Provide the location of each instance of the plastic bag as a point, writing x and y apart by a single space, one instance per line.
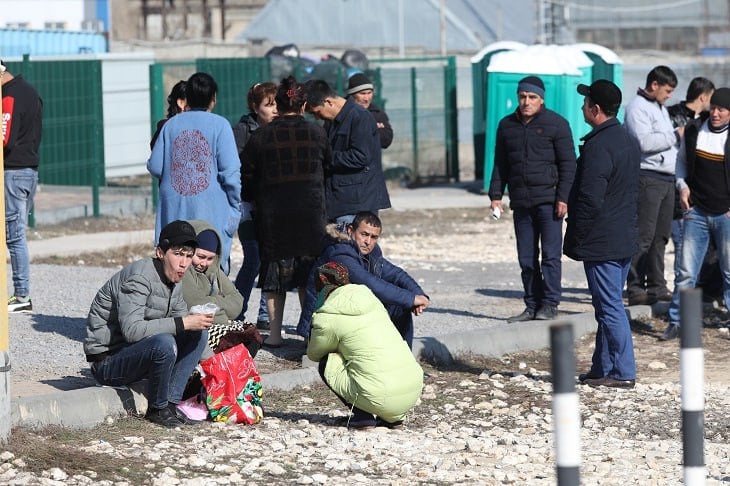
207 308
232 387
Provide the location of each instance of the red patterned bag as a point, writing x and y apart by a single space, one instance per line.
232 387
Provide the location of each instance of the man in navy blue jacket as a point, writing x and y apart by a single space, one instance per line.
603 229
354 182
360 253
535 157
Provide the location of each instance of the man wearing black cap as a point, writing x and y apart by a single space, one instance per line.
603 229
703 179
21 133
535 157
361 89
138 326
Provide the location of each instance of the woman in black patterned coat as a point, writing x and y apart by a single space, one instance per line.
283 176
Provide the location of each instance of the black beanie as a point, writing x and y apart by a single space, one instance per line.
208 240
721 98
532 84
358 82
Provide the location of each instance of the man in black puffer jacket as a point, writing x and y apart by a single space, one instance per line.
535 157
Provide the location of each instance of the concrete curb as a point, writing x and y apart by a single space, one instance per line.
87 407
76 244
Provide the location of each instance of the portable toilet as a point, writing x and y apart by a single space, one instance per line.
561 68
479 63
606 63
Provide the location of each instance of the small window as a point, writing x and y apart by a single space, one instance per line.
54 25
18 25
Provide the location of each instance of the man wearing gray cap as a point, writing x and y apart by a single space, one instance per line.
535 157
603 229
703 179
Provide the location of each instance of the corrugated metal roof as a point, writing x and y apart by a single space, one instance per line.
470 24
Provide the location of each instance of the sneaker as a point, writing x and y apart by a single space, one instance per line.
263 325
547 313
662 296
164 417
20 304
527 315
398 424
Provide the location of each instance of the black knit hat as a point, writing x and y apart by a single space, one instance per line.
358 82
532 84
721 98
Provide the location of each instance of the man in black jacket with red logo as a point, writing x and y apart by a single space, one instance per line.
22 112
534 155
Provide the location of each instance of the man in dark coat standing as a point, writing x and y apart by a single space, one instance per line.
361 89
354 181
535 157
603 229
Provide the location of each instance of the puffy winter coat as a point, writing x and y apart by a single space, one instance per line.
369 364
536 160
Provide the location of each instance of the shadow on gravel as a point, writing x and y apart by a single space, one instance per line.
71 327
457 312
71 382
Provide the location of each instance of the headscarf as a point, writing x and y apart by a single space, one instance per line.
330 276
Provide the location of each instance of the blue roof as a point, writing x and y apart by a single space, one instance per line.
470 25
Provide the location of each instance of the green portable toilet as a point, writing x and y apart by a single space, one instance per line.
479 63
606 63
561 69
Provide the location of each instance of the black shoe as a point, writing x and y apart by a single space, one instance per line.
263 325
527 315
361 420
609 382
547 313
587 376
643 298
398 424
164 417
184 419
671 332
662 296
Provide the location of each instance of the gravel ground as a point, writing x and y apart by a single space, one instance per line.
479 422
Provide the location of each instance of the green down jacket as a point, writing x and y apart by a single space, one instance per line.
369 364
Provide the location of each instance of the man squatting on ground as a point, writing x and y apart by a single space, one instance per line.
603 230
138 326
535 157
703 178
360 254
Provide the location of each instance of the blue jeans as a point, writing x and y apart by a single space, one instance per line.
614 352
167 361
538 229
247 276
698 228
20 186
403 321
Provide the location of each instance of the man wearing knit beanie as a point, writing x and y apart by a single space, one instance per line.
703 179
534 156
362 90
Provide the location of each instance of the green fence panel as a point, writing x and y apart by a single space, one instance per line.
72 147
234 77
421 95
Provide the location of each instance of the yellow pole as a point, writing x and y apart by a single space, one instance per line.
4 328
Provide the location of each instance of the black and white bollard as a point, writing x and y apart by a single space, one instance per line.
692 381
566 413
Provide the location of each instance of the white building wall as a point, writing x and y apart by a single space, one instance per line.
34 14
